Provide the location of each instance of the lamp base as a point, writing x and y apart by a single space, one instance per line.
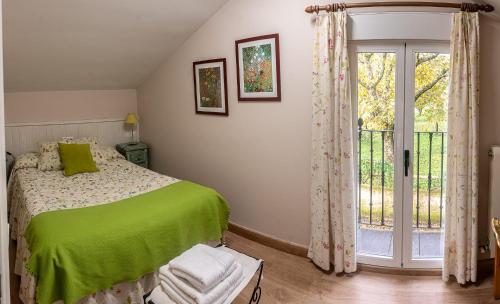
133 141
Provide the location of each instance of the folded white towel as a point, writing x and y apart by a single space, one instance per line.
158 296
181 291
202 266
172 294
186 288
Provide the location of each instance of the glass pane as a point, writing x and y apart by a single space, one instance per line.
429 163
376 102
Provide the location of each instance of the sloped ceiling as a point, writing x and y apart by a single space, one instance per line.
93 44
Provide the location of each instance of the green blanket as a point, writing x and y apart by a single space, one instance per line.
77 252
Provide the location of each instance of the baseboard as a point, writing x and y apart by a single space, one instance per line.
484 266
269 241
484 269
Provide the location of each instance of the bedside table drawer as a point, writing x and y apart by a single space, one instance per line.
143 164
138 156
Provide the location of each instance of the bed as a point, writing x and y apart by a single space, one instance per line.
33 193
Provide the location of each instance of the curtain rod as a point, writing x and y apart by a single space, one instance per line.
468 7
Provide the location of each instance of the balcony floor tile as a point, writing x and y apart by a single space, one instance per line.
380 242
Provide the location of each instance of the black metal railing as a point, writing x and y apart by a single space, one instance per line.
376 178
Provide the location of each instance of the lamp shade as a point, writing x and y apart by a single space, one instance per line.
131 119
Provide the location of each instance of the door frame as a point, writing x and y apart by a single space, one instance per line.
403 140
409 112
384 46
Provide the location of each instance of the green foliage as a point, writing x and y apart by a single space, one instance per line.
431 91
376 110
389 213
375 171
377 90
421 181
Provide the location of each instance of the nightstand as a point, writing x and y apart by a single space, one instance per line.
136 153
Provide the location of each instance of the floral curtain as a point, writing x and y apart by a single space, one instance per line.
333 209
460 255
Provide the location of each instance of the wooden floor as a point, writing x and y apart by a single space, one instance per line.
291 279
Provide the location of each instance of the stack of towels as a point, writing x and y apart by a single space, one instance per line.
201 275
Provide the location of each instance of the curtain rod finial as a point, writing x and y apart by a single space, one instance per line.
476 7
312 9
488 8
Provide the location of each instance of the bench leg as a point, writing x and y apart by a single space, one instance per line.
257 291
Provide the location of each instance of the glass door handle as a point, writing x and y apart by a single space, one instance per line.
407 161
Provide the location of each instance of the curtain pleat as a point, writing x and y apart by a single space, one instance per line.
333 210
460 255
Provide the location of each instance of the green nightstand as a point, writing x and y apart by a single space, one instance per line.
135 152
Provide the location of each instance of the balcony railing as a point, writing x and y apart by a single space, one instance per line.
376 178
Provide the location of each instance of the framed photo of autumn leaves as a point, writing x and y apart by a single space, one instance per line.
210 89
258 75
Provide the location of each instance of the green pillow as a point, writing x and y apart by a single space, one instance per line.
76 158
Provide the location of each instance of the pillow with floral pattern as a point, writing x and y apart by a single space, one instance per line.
92 140
26 160
49 155
103 154
49 152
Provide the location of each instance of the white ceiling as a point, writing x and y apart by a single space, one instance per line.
93 44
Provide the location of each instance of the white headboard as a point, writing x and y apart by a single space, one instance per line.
24 137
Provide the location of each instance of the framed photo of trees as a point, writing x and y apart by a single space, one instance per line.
210 87
258 68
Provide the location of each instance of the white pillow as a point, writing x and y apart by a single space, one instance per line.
26 160
49 156
92 140
103 154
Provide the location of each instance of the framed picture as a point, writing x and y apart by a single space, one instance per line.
258 67
210 87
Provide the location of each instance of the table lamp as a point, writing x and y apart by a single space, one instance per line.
131 119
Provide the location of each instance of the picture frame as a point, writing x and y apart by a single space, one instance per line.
210 87
258 68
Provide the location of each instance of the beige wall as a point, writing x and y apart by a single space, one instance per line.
489 113
54 106
258 157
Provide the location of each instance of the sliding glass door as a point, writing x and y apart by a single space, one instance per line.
400 97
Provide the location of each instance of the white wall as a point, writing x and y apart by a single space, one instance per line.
57 106
258 157
489 113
